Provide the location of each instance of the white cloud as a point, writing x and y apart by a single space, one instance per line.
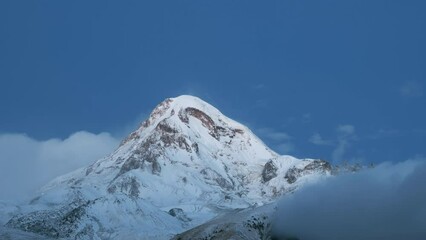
317 139
386 202
411 89
26 164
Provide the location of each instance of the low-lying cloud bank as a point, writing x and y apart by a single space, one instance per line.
387 202
26 164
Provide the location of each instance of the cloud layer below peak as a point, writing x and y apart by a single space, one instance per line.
26 164
386 202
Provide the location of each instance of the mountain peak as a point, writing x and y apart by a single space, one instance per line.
184 102
179 113
189 101
187 125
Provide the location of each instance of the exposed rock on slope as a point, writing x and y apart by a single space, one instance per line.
247 224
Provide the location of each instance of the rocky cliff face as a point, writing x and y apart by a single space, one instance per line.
184 165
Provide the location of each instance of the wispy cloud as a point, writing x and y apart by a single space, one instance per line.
384 133
306 118
385 202
122 132
258 86
346 130
26 164
411 89
260 103
387 133
345 134
285 148
273 134
339 151
281 141
317 139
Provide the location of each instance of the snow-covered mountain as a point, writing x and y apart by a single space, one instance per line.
185 165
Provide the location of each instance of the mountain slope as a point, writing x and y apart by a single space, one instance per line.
186 164
250 224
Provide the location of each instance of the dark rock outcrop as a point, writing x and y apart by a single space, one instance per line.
217 179
59 223
269 171
179 214
315 166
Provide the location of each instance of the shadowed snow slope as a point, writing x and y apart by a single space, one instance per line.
184 165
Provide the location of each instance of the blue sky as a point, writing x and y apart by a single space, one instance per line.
338 80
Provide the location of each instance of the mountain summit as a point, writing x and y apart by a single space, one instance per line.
186 164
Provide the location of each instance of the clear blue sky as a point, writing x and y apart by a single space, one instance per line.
328 79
